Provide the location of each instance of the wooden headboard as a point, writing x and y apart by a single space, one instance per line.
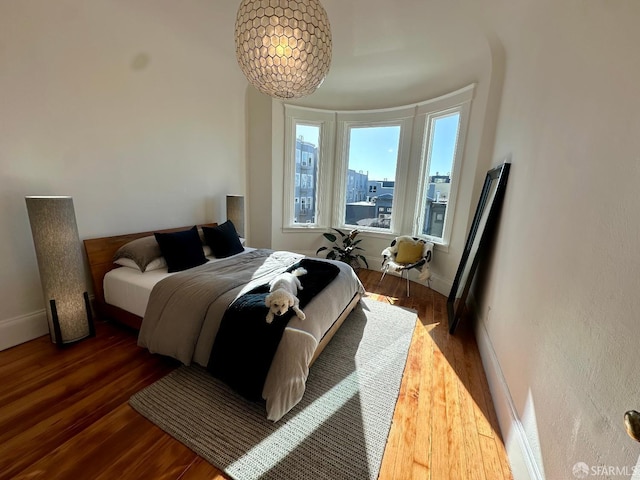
100 253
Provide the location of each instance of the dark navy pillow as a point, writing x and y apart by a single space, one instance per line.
223 239
181 250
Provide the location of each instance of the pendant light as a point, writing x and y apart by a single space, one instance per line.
283 46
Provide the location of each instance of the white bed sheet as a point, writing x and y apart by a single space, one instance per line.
129 288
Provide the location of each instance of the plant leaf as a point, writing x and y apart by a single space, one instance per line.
341 233
364 260
321 249
331 255
330 236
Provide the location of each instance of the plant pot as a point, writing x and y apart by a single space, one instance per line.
355 264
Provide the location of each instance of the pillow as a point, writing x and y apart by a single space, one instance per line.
181 250
409 252
154 264
142 251
223 239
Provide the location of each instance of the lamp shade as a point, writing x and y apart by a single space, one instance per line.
283 46
60 262
235 212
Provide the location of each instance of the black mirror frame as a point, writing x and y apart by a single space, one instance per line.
498 174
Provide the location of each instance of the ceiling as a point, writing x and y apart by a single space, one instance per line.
383 48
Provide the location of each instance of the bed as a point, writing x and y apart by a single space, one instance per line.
123 294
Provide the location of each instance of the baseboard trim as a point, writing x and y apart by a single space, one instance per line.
438 283
521 457
17 330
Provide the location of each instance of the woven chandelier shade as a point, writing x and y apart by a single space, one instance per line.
283 46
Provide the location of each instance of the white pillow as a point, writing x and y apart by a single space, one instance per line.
156 263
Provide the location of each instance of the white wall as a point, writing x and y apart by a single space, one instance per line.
559 305
136 109
259 173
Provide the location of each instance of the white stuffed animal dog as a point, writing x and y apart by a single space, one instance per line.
283 291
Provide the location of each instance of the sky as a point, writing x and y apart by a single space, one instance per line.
375 149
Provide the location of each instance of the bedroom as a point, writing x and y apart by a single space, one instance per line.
152 125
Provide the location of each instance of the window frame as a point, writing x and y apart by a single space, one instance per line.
402 117
426 113
324 165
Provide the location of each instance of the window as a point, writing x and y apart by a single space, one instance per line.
389 171
307 144
438 157
372 153
308 135
442 125
308 154
374 149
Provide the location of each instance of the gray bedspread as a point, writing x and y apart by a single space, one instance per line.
185 310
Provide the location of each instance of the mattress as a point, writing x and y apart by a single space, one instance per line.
129 288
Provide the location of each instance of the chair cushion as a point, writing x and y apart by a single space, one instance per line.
409 252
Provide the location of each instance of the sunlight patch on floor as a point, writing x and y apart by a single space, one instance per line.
287 438
382 298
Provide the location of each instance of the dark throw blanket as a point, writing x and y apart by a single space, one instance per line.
245 344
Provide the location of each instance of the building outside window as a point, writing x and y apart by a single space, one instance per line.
307 139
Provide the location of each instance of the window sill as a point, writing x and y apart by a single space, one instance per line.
303 229
388 236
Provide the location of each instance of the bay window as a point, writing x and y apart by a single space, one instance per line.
392 171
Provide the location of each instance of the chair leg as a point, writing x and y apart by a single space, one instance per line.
407 270
384 272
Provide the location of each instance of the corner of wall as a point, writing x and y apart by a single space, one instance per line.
259 169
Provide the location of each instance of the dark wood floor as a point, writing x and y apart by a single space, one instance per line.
64 413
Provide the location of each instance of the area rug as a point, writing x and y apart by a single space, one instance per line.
339 429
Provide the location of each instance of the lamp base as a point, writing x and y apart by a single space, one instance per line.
57 332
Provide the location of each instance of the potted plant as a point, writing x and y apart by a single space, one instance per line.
345 250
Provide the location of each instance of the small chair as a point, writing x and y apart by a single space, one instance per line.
406 253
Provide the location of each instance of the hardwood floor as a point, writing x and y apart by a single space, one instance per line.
64 413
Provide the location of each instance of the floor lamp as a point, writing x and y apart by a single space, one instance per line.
235 212
60 262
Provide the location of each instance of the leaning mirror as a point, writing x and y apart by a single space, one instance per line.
477 241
